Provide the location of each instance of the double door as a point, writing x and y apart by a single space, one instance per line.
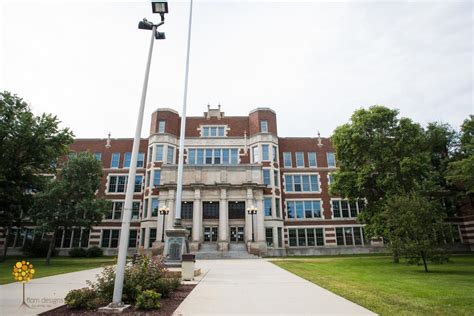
210 234
236 234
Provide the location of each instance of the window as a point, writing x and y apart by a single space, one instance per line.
114 163
132 238
159 153
98 156
191 157
187 210
213 131
141 160
287 160
210 156
156 177
306 237
145 208
210 210
266 177
142 237
312 160
110 238
154 207
277 208
300 159
301 183
346 209
161 126
116 211
126 160
234 156
236 210
330 178
269 236
152 237
265 152
304 209
69 238
274 154
331 159
138 184
255 154
349 236
170 157
135 210
264 126
275 177
150 154
267 205
148 176
118 184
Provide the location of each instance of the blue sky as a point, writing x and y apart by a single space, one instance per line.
313 62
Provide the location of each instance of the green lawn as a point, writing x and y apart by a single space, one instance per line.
393 289
58 265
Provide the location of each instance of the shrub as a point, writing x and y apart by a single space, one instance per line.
175 283
145 274
148 299
83 298
77 252
94 252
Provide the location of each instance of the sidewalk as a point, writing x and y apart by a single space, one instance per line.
256 287
42 294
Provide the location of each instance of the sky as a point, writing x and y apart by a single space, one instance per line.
313 62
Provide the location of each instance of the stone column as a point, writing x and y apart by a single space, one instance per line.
170 204
223 244
248 217
197 221
260 219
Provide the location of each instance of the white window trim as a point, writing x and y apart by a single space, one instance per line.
306 236
201 130
321 203
291 160
341 217
327 159
352 226
296 159
315 159
301 174
122 174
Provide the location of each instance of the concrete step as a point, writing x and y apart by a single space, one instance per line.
225 255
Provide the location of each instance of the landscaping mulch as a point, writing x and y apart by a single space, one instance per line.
168 306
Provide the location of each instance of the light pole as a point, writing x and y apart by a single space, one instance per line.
161 8
252 210
164 210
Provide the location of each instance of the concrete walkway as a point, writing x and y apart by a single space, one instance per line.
42 294
256 287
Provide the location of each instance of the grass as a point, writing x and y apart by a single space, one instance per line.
393 289
58 265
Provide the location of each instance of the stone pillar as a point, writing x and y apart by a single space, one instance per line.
197 221
170 203
248 217
223 243
260 219
147 238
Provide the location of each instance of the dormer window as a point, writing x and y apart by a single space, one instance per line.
213 131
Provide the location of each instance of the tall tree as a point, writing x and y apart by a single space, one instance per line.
416 226
29 145
70 200
461 171
379 155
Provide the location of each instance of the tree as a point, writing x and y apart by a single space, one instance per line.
461 172
416 226
70 200
379 155
29 145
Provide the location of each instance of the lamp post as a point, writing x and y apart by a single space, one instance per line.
164 210
252 210
160 8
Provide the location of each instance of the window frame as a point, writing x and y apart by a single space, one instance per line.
287 155
301 177
310 159
161 126
292 205
263 126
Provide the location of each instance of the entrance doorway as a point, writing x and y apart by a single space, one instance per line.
236 234
210 234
